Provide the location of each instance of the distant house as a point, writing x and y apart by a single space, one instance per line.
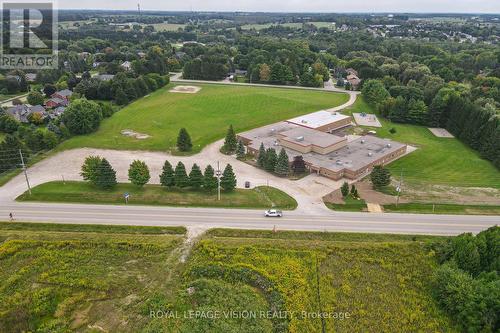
127 65
30 77
84 55
62 94
141 54
22 112
55 102
104 77
57 112
96 64
353 80
180 54
352 71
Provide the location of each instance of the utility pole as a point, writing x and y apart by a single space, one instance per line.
218 173
24 170
399 187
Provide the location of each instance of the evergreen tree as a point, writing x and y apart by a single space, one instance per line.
138 173
120 97
184 140
167 175
261 159
209 180
106 175
344 189
230 143
271 160
240 151
180 176
90 168
282 167
354 192
228 179
380 176
195 177
298 165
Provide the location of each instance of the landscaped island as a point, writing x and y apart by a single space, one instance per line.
82 192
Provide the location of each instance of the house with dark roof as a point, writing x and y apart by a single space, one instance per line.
62 94
22 112
56 101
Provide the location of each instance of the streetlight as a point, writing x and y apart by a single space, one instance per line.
218 174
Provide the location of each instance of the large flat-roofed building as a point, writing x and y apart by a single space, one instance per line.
305 140
324 121
325 154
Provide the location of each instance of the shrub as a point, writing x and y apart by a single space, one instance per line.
138 173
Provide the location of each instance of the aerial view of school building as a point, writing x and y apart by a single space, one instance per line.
324 153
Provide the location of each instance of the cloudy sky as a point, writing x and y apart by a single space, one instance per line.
420 6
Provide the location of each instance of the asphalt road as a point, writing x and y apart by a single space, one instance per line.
246 219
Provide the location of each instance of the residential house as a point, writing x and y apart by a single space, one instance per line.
354 81
126 65
62 94
30 77
104 77
55 102
22 112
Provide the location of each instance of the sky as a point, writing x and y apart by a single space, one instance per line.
333 6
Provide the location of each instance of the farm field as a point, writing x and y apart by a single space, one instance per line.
440 161
206 115
82 192
67 277
366 283
167 26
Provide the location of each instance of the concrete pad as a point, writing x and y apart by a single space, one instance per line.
185 89
441 133
367 120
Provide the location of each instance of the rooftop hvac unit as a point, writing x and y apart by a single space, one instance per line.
300 138
276 143
370 153
388 145
303 121
339 162
362 140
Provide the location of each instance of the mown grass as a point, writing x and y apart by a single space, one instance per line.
442 161
429 208
206 115
82 192
350 205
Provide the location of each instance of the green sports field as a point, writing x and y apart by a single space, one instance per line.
206 115
441 161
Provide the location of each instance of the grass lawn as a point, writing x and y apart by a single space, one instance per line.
437 160
167 26
351 205
82 192
206 115
2 136
429 208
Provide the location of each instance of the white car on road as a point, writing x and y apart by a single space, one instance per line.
273 213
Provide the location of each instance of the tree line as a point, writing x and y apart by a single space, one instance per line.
99 172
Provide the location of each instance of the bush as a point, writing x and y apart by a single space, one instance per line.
138 173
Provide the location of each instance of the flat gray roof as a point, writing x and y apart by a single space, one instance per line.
318 119
354 156
307 136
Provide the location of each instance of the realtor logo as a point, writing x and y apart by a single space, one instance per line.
28 35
